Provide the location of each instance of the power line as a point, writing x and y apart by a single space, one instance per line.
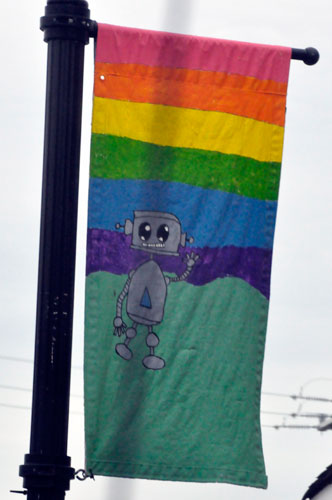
30 361
15 388
295 415
277 426
323 426
12 358
5 405
26 389
283 426
298 396
277 394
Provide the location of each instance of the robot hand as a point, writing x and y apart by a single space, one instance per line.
119 326
191 259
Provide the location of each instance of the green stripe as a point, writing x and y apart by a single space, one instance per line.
121 158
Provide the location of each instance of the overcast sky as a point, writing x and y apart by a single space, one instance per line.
298 349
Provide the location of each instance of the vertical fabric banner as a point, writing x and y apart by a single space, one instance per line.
187 136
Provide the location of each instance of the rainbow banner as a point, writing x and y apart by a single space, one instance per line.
187 137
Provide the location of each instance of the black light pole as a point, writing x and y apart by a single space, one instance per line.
46 470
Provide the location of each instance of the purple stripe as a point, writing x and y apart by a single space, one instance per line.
110 251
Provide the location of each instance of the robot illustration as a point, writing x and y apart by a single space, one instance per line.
146 287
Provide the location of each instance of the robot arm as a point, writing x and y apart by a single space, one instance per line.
191 260
119 325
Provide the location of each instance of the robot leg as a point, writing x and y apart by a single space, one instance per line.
123 349
151 361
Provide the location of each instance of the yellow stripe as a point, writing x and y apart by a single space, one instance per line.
188 128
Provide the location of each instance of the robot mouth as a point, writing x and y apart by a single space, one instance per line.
154 245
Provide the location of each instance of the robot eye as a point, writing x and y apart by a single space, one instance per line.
163 233
144 231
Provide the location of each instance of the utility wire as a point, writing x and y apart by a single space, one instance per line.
296 396
12 358
307 415
294 415
283 426
26 389
15 388
5 405
292 396
25 360
266 412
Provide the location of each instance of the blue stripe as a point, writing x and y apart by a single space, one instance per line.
213 218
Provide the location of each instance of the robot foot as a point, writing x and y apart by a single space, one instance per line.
153 362
123 351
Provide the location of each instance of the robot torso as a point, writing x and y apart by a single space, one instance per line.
147 294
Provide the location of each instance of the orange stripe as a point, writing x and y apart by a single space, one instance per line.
263 100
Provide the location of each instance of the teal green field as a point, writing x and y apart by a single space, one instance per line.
192 419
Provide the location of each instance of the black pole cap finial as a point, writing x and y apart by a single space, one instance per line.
309 55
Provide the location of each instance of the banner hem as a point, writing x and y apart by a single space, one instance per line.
181 474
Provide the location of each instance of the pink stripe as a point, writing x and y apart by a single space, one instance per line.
116 44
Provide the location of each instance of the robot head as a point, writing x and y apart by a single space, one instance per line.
155 232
